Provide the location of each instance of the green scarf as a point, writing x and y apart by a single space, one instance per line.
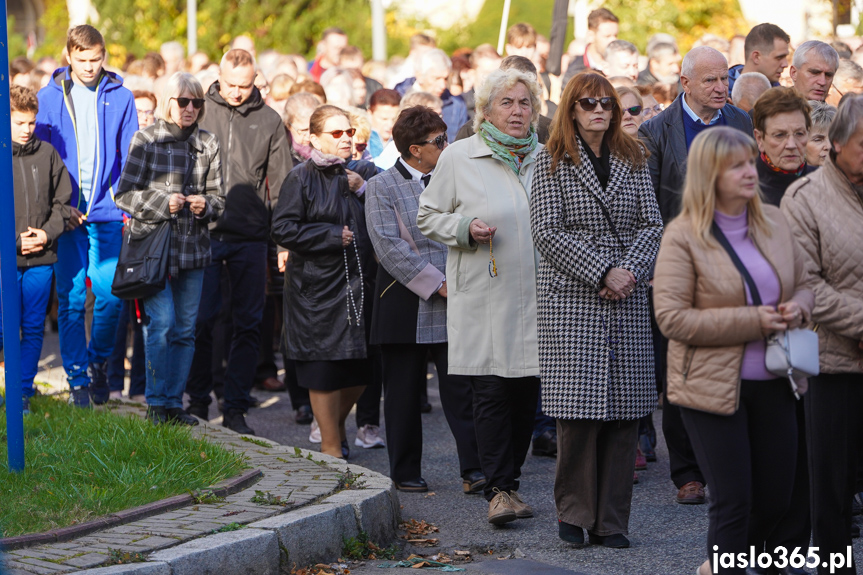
510 150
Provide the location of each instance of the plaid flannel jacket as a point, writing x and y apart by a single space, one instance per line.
156 169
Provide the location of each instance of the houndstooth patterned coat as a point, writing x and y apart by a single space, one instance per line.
596 356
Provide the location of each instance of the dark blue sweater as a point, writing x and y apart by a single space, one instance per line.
693 128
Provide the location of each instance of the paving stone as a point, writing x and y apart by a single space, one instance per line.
148 568
37 565
247 551
312 534
88 560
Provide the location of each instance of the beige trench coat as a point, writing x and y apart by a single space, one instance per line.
491 322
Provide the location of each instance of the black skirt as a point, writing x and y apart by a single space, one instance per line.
334 375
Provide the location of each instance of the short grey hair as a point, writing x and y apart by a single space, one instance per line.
620 47
178 83
847 118
848 70
660 49
660 38
749 86
687 68
173 49
822 114
300 102
419 98
824 51
499 81
435 59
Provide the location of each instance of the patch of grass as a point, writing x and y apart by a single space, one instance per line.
229 527
360 547
267 498
351 480
82 464
255 441
204 496
119 557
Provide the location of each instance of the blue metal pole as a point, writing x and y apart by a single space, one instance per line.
9 269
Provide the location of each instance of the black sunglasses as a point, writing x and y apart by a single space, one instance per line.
338 133
440 142
197 103
633 111
361 147
589 104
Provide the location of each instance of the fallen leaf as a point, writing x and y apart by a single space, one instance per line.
203 455
47 415
461 553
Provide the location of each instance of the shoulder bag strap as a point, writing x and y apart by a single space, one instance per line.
723 241
608 219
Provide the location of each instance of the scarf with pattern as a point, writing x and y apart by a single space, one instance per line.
772 166
509 149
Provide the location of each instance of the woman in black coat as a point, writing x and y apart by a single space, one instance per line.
329 275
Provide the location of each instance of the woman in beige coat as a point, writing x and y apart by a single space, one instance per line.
740 417
477 204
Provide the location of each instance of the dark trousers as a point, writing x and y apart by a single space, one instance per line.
593 478
542 422
503 416
369 403
833 406
246 267
117 359
404 373
795 528
270 329
749 459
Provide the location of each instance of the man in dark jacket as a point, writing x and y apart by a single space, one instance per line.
702 105
89 117
42 191
256 158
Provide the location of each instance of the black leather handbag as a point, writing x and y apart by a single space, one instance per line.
142 268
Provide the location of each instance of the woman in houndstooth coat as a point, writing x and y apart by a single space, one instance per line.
596 224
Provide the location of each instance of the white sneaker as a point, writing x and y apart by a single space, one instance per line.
315 432
369 436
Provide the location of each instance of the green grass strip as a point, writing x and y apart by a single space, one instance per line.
82 464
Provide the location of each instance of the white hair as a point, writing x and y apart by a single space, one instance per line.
749 86
501 80
172 50
699 53
435 59
620 47
824 51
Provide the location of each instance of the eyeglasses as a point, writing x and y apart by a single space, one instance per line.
633 111
146 113
440 142
361 147
589 104
338 133
197 103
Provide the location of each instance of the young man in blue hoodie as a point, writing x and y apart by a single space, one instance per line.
90 118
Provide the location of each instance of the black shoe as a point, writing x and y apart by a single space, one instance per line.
425 407
545 444
99 389
417 485
647 447
346 451
235 420
157 415
613 541
303 415
254 401
199 410
178 416
570 533
473 482
80 397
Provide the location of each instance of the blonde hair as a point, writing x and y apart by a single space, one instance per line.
710 155
360 122
500 81
177 84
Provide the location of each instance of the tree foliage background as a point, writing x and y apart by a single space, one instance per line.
294 26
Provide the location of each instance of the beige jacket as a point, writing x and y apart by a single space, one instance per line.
826 216
491 322
700 303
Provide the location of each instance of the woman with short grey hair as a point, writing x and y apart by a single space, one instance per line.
477 205
825 211
818 146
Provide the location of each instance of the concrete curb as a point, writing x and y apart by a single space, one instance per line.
300 537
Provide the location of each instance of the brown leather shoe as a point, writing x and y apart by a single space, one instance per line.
500 509
272 384
522 509
691 494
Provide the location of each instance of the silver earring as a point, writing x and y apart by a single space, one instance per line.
419 161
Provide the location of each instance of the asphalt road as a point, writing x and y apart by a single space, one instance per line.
667 538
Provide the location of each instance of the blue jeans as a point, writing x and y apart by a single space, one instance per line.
34 289
89 251
247 272
169 337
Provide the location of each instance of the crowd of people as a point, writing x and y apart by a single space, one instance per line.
571 251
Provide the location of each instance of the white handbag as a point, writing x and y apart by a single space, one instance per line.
793 354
